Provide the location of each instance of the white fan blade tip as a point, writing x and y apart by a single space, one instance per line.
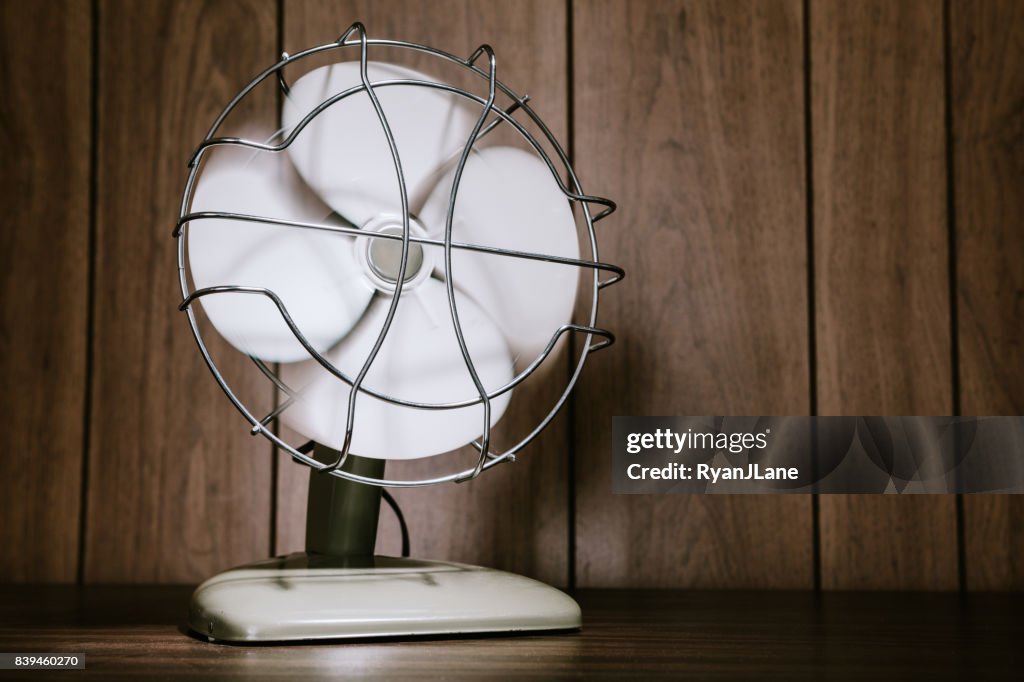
420 361
343 154
508 198
312 272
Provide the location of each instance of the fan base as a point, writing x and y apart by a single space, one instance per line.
310 597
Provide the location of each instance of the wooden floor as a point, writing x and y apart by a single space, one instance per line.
139 633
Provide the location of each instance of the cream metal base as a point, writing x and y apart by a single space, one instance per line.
306 597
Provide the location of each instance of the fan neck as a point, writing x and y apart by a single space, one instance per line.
341 515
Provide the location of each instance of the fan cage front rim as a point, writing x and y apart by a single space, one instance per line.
491 459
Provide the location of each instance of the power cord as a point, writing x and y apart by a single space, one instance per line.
401 520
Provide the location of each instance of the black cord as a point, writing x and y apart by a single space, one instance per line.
401 520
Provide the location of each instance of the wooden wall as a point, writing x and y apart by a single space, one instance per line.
821 212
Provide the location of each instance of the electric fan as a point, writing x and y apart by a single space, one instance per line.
396 277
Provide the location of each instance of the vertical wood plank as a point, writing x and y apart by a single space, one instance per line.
515 517
690 115
45 50
987 62
883 341
177 488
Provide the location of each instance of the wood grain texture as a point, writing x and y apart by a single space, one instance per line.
881 275
45 58
515 517
689 114
177 488
131 633
987 50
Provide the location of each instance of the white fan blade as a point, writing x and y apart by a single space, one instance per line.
343 153
313 272
420 361
508 198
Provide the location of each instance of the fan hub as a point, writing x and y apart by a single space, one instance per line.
385 257
382 257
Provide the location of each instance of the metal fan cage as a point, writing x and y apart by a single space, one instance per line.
594 338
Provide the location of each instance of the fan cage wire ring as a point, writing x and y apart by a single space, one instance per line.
594 347
487 459
590 347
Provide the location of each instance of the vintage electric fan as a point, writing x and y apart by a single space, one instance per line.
396 279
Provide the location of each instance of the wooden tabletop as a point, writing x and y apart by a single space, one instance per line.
139 633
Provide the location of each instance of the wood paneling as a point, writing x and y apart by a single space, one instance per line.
45 58
690 115
177 488
515 517
987 50
880 238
